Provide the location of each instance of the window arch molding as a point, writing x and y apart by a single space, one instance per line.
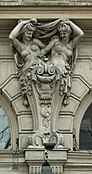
12 121
85 103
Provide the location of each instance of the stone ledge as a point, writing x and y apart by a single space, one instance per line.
32 155
45 3
79 159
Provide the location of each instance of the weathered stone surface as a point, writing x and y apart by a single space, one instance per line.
7 68
23 137
19 107
71 107
46 3
84 51
38 154
7 164
12 88
77 160
25 123
68 138
79 89
65 123
5 50
84 69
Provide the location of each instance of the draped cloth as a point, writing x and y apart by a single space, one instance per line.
45 31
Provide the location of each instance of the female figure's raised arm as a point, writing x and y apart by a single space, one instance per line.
14 34
77 33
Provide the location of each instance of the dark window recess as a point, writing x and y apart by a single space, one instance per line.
46 168
85 138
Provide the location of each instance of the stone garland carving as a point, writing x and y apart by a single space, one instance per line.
45 55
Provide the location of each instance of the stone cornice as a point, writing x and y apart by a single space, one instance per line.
45 12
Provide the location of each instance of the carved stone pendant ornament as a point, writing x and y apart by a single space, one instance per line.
45 55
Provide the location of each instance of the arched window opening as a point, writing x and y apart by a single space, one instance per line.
5 130
85 137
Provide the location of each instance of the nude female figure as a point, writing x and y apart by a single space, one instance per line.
63 44
26 47
61 50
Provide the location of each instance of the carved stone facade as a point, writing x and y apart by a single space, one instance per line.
45 55
45 85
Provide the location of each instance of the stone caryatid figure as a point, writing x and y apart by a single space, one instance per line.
63 51
45 55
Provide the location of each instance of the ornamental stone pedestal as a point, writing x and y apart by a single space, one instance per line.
36 157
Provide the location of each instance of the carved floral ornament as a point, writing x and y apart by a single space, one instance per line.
45 55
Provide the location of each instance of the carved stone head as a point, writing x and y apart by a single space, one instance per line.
28 28
63 26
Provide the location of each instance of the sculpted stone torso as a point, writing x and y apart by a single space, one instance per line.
61 51
29 54
60 54
45 58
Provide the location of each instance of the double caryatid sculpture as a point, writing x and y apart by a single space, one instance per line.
45 55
